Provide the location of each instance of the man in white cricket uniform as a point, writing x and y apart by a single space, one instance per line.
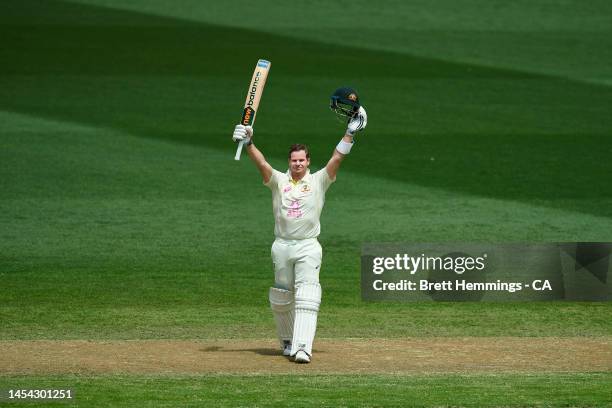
297 200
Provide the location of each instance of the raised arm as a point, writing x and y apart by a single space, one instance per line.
260 162
245 133
358 122
334 163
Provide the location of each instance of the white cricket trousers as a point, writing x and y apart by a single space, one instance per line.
296 262
296 270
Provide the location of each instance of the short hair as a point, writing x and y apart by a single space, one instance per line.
297 147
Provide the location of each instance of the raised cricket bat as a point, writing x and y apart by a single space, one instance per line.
251 104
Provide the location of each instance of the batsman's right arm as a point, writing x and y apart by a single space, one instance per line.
260 161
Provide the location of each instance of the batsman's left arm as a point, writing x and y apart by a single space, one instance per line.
355 124
334 163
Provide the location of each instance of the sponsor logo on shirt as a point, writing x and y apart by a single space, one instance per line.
294 209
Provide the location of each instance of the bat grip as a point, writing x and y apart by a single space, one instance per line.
239 150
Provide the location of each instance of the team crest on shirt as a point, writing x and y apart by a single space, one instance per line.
305 188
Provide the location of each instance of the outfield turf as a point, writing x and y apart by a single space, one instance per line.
543 390
124 216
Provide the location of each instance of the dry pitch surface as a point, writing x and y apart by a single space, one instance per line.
412 355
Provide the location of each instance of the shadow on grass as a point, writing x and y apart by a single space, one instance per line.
483 131
259 351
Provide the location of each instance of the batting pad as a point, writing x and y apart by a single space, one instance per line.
307 302
281 302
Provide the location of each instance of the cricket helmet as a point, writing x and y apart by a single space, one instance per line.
345 102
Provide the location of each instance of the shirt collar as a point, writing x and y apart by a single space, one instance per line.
305 178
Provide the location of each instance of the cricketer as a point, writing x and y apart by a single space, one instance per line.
297 200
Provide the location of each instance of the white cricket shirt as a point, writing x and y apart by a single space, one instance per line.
297 206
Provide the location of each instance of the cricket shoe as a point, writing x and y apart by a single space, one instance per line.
287 349
302 357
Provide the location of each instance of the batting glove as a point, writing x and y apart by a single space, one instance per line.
243 133
357 122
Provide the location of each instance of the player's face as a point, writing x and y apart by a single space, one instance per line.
298 163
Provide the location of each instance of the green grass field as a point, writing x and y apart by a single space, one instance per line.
334 391
124 216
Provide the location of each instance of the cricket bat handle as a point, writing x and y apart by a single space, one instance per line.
239 150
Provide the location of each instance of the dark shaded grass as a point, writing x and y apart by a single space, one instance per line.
459 127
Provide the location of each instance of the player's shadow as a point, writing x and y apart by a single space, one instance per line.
260 351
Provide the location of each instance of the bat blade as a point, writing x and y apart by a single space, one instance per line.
251 104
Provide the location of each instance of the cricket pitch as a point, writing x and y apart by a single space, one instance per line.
365 356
